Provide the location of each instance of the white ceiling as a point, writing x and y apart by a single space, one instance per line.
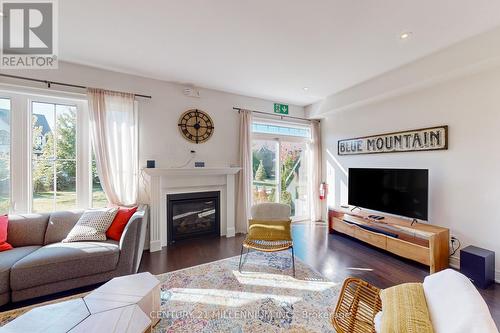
265 48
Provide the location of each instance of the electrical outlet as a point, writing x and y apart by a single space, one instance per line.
455 245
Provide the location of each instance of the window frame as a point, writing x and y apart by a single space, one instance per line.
6 96
81 156
21 166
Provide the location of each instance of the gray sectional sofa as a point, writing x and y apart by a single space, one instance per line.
41 265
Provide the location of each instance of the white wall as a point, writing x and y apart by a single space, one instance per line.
464 180
159 136
472 55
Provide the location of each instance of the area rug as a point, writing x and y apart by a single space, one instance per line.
265 297
215 297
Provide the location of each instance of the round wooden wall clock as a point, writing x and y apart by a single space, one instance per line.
196 126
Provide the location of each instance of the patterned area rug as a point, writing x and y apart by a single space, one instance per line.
215 297
264 297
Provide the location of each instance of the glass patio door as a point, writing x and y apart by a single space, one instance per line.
294 183
265 187
281 173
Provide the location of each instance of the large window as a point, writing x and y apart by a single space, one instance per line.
4 155
280 166
45 156
54 156
98 197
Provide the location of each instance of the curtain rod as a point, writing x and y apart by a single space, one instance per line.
50 83
277 115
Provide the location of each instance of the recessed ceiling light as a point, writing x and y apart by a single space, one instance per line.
305 88
405 35
1 14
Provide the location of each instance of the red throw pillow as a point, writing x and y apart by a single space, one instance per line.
116 228
4 222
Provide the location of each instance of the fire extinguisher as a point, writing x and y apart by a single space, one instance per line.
323 190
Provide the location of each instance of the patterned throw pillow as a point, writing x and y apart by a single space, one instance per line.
92 226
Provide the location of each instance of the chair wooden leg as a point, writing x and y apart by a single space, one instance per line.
293 262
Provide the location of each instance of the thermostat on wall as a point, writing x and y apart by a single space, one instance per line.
199 164
191 92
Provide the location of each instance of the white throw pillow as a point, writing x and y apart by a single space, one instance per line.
378 322
92 225
455 305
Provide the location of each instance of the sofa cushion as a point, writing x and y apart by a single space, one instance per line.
8 259
62 261
27 230
455 305
60 224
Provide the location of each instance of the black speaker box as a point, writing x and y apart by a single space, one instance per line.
478 265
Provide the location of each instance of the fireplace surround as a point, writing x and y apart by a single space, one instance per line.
163 181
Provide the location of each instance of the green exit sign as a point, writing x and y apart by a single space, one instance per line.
280 108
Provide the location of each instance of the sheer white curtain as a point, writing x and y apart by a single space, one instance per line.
316 165
244 197
114 133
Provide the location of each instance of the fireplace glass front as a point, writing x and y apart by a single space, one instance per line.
193 215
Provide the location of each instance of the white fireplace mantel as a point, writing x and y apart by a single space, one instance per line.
153 172
164 181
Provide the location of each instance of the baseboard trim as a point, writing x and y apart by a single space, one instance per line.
455 263
154 246
231 232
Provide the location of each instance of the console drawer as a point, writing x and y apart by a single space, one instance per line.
408 250
343 227
372 238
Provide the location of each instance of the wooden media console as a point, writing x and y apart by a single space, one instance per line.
421 242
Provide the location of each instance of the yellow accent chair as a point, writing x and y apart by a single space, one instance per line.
269 230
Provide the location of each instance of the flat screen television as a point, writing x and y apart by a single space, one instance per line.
396 191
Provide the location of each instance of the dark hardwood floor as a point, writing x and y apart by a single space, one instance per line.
334 256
